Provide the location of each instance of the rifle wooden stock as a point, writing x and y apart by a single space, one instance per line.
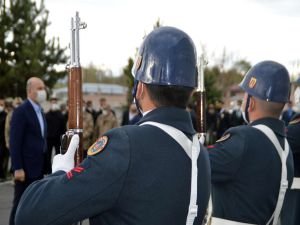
201 101
201 112
75 120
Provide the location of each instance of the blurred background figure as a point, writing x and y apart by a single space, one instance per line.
89 108
55 128
88 128
223 121
288 113
211 124
131 115
10 105
236 118
105 122
3 149
191 109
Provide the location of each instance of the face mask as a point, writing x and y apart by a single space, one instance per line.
104 112
245 112
1 108
41 96
54 107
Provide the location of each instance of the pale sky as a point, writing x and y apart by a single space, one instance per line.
254 30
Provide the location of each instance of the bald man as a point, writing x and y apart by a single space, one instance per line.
28 140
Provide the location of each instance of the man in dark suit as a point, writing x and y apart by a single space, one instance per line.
28 140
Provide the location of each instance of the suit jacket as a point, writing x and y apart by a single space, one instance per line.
27 145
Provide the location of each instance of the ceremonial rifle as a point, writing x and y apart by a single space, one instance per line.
201 100
75 120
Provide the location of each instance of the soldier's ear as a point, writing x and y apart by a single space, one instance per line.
252 104
140 90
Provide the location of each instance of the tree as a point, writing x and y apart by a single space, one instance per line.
24 50
129 80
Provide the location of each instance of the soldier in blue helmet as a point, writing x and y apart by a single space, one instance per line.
155 172
252 166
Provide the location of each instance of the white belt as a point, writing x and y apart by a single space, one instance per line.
219 221
192 149
296 183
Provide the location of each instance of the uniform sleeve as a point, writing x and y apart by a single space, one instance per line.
17 130
87 190
226 155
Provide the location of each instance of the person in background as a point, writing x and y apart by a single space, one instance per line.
211 124
105 122
236 117
88 128
28 137
131 116
288 114
3 149
89 108
223 119
55 129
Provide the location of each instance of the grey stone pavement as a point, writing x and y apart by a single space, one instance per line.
6 196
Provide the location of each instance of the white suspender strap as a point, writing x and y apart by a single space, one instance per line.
192 149
284 182
296 183
220 221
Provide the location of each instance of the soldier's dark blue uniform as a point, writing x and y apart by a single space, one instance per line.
246 172
246 166
137 175
141 177
291 208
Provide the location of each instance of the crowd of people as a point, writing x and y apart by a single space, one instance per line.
158 172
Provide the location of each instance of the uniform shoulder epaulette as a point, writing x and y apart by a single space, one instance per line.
294 121
224 137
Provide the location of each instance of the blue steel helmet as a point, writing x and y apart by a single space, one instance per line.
167 56
269 81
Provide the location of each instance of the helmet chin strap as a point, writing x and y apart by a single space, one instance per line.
134 91
245 113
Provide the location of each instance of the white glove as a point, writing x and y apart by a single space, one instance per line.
66 162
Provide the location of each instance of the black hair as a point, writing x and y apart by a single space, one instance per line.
163 95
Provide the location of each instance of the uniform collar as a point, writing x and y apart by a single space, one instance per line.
275 124
172 116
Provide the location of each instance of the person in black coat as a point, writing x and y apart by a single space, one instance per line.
3 149
56 128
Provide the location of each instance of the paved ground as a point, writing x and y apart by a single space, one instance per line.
6 196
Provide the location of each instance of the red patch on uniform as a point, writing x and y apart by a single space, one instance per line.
77 169
210 146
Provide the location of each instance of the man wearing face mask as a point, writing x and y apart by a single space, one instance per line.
152 173
252 165
28 140
105 122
